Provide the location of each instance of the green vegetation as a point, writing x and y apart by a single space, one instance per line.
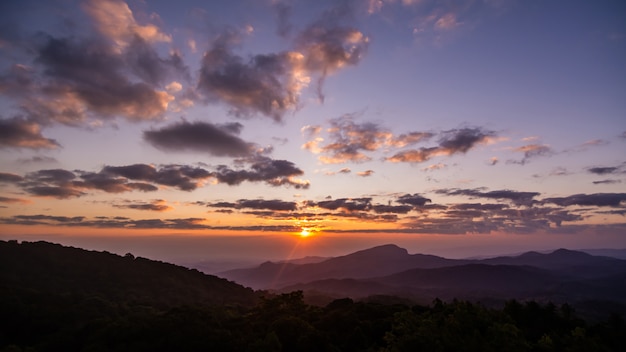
110 302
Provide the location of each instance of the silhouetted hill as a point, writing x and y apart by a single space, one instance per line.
373 262
574 263
562 275
50 269
463 281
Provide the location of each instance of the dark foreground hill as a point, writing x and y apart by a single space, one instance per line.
55 298
32 267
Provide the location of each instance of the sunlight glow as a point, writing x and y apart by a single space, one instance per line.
305 232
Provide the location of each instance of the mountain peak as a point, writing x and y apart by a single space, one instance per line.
570 253
383 250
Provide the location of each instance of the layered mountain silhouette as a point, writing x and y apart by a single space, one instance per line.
561 275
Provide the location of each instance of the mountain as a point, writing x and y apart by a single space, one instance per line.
567 262
377 261
607 252
561 275
46 269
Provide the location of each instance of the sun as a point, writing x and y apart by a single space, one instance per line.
305 233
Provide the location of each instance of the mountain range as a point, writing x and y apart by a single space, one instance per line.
562 275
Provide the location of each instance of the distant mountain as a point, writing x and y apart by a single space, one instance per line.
47 269
463 281
389 270
373 262
574 263
607 252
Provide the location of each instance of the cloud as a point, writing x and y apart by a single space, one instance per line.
274 204
606 182
158 205
217 140
415 200
410 138
532 151
394 209
450 142
602 170
327 46
519 198
13 200
112 72
115 20
349 140
266 84
126 223
347 204
10 178
89 75
434 167
183 177
263 169
20 133
595 199
365 173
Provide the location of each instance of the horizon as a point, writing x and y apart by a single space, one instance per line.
283 129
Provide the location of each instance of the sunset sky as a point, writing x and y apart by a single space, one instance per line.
274 129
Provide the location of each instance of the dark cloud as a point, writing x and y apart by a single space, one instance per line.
158 205
478 206
595 199
218 140
110 184
20 133
348 204
606 182
267 84
602 170
413 199
395 209
57 183
450 142
263 169
519 198
145 62
63 184
275 204
88 75
10 178
61 192
92 75
183 177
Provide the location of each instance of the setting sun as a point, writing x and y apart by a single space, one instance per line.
305 233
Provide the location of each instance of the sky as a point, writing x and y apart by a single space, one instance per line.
208 130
